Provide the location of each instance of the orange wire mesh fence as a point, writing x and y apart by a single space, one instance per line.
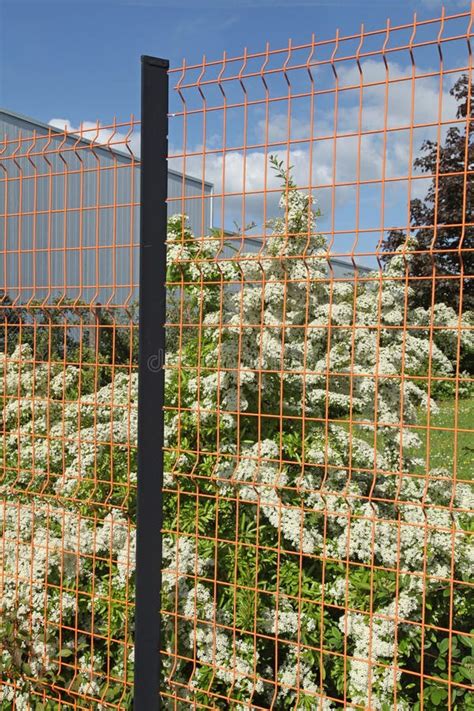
319 388
68 214
317 484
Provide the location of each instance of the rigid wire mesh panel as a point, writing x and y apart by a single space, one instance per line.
68 222
319 406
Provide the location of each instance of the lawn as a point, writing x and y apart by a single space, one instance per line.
443 441
443 435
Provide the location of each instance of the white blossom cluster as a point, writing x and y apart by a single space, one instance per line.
57 469
307 389
374 639
290 339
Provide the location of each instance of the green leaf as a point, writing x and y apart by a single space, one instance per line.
64 653
443 646
466 673
437 695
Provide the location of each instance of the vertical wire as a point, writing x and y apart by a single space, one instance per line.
174 472
377 369
334 196
460 257
307 320
261 321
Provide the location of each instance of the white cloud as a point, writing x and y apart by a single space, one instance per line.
240 174
356 157
193 25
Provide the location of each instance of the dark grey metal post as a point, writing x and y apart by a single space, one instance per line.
152 315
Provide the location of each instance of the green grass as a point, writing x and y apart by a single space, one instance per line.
446 445
443 440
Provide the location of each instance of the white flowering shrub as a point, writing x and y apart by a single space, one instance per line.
66 535
312 558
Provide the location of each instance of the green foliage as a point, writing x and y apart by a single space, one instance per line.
257 570
439 241
289 541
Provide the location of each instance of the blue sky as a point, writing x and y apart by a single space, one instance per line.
80 62
80 59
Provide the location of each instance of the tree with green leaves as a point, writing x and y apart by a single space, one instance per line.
442 223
